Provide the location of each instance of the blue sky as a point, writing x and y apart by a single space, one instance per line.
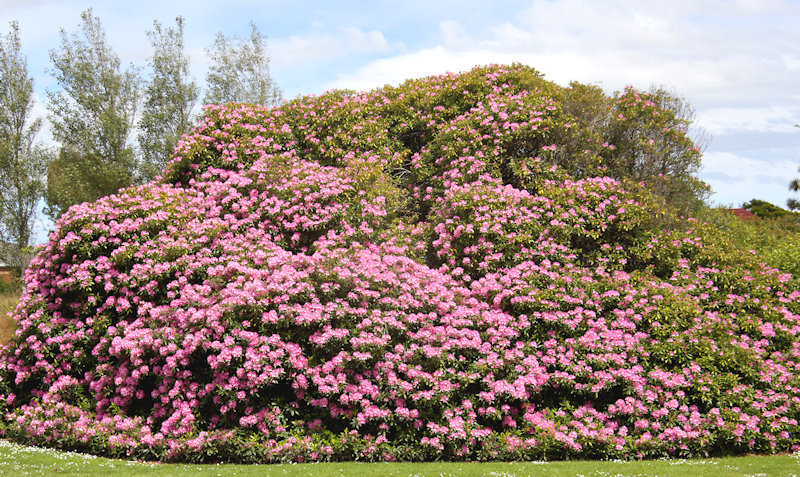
737 62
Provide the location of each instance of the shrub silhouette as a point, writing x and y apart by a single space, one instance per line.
432 271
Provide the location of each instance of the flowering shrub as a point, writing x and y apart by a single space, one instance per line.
405 274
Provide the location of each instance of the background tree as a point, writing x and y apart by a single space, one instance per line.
169 95
794 186
648 137
22 162
92 116
764 209
239 71
781 219
650 132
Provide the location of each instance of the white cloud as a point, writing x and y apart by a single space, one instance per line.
767 119
454 36
343 42
422 63
791 62
561 68
712 52
759 6
737 61
736 178
6 5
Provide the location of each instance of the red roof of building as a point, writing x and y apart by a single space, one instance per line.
743 214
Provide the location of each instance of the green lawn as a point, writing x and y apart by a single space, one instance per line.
20 460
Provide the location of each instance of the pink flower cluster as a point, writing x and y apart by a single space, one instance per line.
400 274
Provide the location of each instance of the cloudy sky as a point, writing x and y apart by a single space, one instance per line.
737 62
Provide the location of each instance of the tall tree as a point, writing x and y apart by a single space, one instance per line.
239 71
650 132
22 162
169 95
92 116
794 186
792 203
648 137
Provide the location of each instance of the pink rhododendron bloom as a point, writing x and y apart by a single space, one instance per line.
439 270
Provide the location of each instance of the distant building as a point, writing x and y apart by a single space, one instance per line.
743 214
6 272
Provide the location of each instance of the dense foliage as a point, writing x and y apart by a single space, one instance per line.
170 96
92 116
434 271
776 242
786 219
98 105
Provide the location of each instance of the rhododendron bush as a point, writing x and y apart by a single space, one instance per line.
412 273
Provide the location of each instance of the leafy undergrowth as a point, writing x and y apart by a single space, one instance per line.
406 274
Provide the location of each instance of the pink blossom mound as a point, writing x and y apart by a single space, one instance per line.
398 275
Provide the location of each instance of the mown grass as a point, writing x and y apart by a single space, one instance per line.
20 460
7 303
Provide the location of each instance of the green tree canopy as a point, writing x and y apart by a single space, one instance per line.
170 94
92 117
240 72
765 210
22 161
645 136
